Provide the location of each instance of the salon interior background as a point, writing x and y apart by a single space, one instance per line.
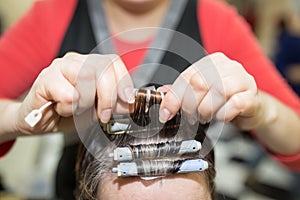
28 170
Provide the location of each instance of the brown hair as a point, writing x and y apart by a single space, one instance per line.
90 170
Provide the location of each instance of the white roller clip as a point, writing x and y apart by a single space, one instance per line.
35 116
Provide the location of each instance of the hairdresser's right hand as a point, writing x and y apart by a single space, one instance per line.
75 83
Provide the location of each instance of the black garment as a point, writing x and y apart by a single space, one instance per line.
80 38
65 175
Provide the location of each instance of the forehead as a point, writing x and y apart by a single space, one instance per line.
190 186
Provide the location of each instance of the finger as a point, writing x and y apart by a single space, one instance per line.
211 102
195 92
60 91
51 118
85 84
124 81
79 72
218 95
74 56
73 62
236 105
123 108
236 83
106 93
172 101
203 75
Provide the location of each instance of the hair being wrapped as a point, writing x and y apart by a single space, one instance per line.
154 145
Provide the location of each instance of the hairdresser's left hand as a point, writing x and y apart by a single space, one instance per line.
215 86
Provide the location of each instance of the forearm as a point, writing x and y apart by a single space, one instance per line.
279 129
8 117
8 123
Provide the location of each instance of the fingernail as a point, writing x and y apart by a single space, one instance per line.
129 94
164 115
105 115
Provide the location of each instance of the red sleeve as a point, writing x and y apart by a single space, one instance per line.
224 31
4 148
30 45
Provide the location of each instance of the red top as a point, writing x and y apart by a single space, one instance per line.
32 43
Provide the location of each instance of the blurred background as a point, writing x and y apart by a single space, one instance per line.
244 170
28 170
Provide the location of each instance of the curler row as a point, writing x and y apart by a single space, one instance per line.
160 150
152 159
144 99
150 168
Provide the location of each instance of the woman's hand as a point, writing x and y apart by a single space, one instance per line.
73 83
215 86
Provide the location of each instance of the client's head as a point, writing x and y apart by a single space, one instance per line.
159 153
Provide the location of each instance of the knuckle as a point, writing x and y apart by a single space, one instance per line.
198 83
253 85
218 56
91 60
237 65
252 79
47 73
99 58
57 62
219 59
70 54
113 57
65 95
44 72
238 102
106 64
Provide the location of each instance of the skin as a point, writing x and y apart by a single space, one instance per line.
72 74
185 186
120 15
233 97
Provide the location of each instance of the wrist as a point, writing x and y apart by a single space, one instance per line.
8 120
259 116
279 127
267 111
15 110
